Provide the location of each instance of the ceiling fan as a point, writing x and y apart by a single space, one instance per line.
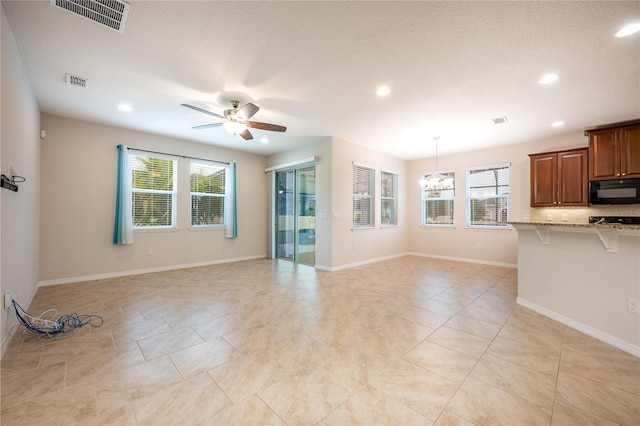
237 120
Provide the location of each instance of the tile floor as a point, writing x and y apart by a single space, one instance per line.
406 341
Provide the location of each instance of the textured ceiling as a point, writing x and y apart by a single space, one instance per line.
314 67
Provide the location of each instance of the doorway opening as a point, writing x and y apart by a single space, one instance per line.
295 207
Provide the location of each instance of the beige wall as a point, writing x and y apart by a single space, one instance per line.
337 245
577 267
19 211
77 206
352 247
490 246
321 149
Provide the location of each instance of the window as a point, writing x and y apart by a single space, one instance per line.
488 197
363 196
153 187
438 205
388 198
207 182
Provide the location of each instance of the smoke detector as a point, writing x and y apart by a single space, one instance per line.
109 13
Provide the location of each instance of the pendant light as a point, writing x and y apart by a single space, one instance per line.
436 181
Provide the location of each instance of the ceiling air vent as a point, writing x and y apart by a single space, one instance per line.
500 120
74 80
110 13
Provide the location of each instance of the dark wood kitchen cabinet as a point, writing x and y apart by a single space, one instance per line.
614 151
559 178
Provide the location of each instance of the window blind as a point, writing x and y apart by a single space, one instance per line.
207 188
488 196
438 205
363 196
153 187
388 198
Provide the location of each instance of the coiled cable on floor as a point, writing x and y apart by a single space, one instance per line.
47 326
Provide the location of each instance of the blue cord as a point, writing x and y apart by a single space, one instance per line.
50 328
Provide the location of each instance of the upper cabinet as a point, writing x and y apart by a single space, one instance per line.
559 178
614 151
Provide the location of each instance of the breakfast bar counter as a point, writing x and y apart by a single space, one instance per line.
585 276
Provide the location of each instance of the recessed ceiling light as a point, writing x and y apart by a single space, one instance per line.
548 79
264 140
557 123
125 107
383 91
628 30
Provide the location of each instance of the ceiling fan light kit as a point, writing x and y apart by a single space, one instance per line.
234 127
237 120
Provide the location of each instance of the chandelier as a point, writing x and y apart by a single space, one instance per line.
436 182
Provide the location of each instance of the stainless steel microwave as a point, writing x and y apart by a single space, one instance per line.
617 191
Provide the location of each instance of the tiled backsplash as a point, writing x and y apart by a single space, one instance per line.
579 214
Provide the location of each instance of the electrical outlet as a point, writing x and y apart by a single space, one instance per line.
549 217
632 305
7 300
565 217
149 251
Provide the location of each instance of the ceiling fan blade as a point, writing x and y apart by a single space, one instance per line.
247 111
195 108
246 135
207 126
266 126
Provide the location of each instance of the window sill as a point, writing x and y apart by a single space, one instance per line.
151 230
438 225
207 228
364 228
490 228
389 226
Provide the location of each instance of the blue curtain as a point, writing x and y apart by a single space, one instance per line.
123 227
230 208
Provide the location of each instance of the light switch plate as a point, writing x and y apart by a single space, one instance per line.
7 300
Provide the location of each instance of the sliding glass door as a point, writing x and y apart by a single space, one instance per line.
306 216
285 215
296 215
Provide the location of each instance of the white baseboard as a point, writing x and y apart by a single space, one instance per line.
323 268
435 256
119 274
467 260
143 271
12 321
583 328
361 263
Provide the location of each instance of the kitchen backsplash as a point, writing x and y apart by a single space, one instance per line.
578 214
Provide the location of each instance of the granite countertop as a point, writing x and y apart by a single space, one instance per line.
580 225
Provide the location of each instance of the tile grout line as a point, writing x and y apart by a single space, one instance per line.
475 364
555 388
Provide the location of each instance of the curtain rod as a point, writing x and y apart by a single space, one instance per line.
176 155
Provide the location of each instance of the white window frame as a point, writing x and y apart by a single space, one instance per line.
364 188
444 195
385 174
173 192
477 195
207 165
